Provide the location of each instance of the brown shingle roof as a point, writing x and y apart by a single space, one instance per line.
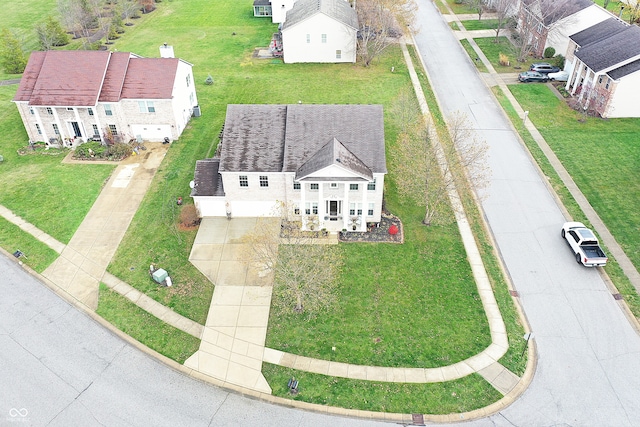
150 78
334 153
80 78
207 180
64 78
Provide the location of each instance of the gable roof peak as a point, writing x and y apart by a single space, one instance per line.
334 153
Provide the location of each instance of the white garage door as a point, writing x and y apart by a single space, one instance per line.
151 132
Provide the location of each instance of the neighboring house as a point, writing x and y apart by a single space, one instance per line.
276 9
324 163
548 23
320 31
605 68
69 97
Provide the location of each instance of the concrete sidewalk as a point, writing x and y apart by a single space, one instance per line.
83 262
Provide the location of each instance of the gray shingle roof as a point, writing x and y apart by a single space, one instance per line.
253 138
612 50
598 32
275 138
207 180
339 10
334 153
627 69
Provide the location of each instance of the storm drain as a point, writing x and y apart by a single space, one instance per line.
514 293
418 419
618 297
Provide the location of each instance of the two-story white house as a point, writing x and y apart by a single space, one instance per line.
69 97
604 68
325 163
548 23
320 31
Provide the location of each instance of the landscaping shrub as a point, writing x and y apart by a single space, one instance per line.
89 150
504 60
559 61
118 151
549 52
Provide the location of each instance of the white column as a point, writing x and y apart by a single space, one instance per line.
577 67
345 207
363 220
57 121
39 122
302 205
321 211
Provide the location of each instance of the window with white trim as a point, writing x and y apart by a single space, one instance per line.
314 187
55 129
49 111
113 129
107 110
296 185
353 187
38 129
31 110
371 186
244 180
296 210
352 209
338 54
324 38
308 38
311 207
69 108
264 181
96 131
334 185
90 111
146 107
359 211
188 78
370 210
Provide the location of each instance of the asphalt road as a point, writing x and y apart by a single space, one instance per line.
588 372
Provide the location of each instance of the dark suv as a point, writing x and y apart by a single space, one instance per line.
544 68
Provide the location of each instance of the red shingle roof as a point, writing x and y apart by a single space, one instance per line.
81 78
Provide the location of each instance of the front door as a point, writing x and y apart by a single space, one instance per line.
76 129
333 210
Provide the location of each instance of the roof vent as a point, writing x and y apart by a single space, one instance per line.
166 51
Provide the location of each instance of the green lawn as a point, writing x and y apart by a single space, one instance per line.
473 55
459 7
492 51
466 394
53 196
38 255
551 123
145 327
484 24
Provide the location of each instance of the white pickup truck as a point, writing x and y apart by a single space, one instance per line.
584 244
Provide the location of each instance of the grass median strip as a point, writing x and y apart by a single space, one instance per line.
38 255
144 327
466 394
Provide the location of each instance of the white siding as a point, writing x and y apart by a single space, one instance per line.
184 97
210 206
339 37
624 102
279 9
558 36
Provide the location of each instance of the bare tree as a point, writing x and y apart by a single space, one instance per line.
130 9
429 172
633 9
476 5
79 16
381 23
504 11
305 273
538 18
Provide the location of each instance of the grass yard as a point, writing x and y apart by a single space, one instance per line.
612 163
38 255
484 24
53 196
466 394
472 54
459 8
145 327
492 51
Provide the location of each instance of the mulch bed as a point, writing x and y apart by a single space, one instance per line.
378 234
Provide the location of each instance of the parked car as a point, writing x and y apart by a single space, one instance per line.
533 76
584 244
560 76
544 68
